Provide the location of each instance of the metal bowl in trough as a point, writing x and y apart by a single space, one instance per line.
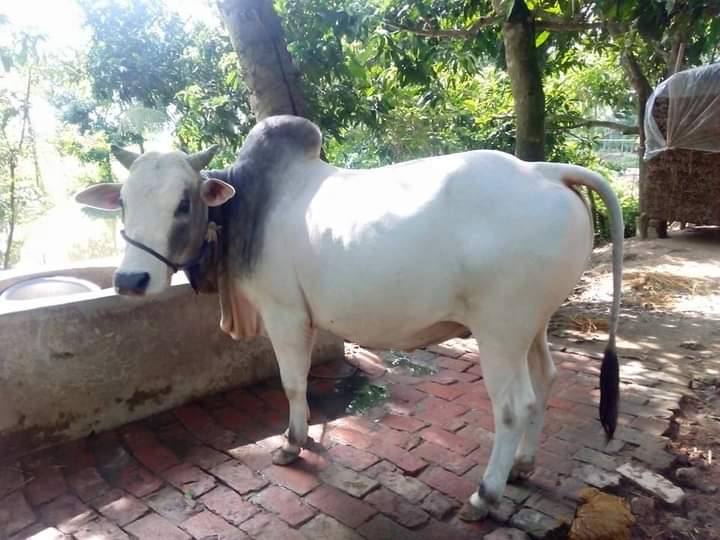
47 286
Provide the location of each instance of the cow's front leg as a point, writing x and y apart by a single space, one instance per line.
292 339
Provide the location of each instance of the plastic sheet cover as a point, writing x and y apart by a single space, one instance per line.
692 101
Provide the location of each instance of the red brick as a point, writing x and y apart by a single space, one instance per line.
138 481
253 455
224 440
475 370
67 513
403 423
472 357
155 527
154 456
120 507
313 462
285 504
206 524
449 440
236 420
190 480
447 350
546 479
397 508
476 401
136 435
446 392
323 527
47 483
448 483
460 377
205 457
15 514
385 435
402 458
292 477
265 526
99 529
238 476
74 456
244 400
560 403
11 478
560 447
453 364
445 458
346 509
654 426
38 532
88 484
483 419
403 392
171 504
357 460
383 527
366 361
275 397
197 421
436 410
350 437
438 505
228 504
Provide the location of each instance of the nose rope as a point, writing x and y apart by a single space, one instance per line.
210 236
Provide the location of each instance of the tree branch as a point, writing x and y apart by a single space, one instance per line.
635 73
464 33
625 129
542 20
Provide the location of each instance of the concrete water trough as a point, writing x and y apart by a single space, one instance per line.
75 358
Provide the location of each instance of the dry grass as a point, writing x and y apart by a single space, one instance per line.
585 324
657 290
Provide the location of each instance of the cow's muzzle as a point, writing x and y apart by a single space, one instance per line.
131 283
191 267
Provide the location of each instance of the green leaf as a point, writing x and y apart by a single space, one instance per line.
541 38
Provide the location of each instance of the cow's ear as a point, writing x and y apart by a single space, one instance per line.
216 192
101 196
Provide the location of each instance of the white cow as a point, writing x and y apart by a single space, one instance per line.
394 257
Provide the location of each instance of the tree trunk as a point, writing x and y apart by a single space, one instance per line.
12 220
259 41
525 80
643 91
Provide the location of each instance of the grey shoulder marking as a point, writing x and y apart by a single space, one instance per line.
257 175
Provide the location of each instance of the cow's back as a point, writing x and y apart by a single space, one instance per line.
419 242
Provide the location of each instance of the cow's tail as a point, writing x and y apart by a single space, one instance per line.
610 369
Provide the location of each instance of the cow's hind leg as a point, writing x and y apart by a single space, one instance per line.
292 339
542 374
507 378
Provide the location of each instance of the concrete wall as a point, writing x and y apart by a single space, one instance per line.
89 362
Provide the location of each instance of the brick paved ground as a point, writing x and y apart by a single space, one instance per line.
204 471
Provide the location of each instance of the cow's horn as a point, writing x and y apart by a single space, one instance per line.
200 160
126 157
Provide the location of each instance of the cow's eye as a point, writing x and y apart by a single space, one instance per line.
183 208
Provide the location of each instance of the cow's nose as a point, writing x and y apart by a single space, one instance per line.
131 283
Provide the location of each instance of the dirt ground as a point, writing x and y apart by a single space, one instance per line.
670 320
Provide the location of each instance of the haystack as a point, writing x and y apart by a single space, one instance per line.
682 126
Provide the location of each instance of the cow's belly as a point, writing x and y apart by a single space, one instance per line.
403 340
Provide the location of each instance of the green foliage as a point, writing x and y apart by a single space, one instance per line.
21 191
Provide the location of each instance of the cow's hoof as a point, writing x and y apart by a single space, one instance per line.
521 470
284 457
470 512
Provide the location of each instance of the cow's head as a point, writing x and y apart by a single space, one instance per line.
165 204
